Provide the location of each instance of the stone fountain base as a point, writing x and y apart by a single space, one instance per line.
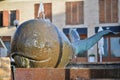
85 71
66 74
5 68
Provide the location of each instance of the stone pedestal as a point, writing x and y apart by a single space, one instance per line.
67 74
86 71
5 68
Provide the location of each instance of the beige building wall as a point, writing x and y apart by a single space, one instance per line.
58 13
26 7
91 17
119 12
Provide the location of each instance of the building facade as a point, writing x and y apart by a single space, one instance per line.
84 15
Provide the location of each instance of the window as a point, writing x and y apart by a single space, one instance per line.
111 48
47 9
115 46
6 41
1 17
7 17
111 45
12 17
7 44
74 13
108 11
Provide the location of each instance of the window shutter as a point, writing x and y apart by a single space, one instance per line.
102 11
48 11
80 9
74 13
5 18
114 11
36 7
68 13
17 14
108 11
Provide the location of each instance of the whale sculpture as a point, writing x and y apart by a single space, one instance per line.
39 43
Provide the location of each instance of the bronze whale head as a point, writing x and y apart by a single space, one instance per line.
39 43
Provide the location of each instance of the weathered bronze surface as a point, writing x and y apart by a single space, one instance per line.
39 43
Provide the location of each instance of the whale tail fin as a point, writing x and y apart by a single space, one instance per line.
74 36
84 45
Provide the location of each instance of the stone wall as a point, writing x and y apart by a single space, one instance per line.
56 74
66 74
5 70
